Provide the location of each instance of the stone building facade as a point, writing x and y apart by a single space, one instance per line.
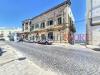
93 22
56 24
26 28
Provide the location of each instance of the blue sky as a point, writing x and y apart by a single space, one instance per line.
13 12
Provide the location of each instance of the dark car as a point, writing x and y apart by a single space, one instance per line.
45 42
2 39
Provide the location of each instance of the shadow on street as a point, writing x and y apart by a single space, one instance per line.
96 49
1 51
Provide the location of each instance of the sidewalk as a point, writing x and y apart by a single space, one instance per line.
96 48
69 45
9 65
78 46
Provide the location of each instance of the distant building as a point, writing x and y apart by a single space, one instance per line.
56 24
8 33
93 22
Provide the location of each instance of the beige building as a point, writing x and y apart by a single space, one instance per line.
93 22
56 24
26 26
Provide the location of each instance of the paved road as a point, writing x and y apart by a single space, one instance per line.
66 61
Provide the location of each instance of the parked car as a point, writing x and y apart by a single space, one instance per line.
45 42
2 39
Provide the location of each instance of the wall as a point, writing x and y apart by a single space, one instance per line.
96 35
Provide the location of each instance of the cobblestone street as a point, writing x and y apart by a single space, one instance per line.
62 60
49 37
10 65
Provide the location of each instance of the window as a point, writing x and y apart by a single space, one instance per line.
37 37
37 26
50 36
33 38
59 20
26 27
30 22
23 27
43 37
50 22
43 25
32 27
2 34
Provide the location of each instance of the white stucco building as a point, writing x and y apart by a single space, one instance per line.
93 22
5 32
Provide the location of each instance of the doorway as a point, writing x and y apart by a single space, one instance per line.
50 36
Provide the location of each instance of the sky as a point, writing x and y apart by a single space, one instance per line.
13 12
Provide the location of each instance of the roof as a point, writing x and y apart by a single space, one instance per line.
65 2
26 20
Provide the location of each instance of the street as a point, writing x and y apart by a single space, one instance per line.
64 61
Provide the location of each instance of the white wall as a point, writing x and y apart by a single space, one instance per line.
6 32
96 35
96 10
